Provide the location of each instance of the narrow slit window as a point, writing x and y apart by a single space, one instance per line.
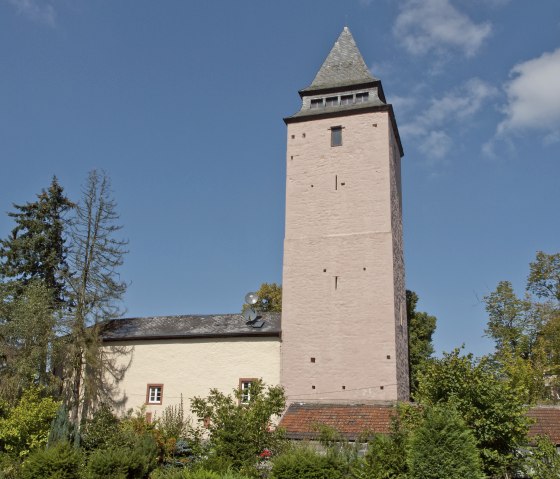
336 136
336 282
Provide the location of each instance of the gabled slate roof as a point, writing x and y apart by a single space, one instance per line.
344 66
189 326
300 421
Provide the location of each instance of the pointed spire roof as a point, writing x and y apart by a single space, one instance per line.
344 66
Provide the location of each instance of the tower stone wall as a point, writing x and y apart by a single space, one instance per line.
344 331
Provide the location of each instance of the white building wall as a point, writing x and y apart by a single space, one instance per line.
192 367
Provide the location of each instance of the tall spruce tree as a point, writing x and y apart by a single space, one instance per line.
95 292
36 247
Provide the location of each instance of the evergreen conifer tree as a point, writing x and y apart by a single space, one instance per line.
443 447
36 247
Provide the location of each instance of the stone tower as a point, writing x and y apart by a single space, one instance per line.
344 329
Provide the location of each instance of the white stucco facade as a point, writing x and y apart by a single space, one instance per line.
191 367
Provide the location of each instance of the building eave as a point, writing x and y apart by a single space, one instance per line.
339 88
270 334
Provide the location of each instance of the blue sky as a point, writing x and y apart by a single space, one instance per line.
181 102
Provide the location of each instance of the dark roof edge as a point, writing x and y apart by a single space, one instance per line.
194 336
388 108
335 89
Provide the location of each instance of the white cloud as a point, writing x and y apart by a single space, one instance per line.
487 3
431 127
35 10
436 145
533 96
424 26
455 105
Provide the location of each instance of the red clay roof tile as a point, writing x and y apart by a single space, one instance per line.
301 419
547 422
351 420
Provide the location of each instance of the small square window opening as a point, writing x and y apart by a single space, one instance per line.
154 394
336 136
346 99
332 101
245 390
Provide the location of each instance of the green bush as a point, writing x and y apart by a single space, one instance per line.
384 459
9 466
240 432
304 463
26 426
443 446
123 462
178 440
59 462
542 460
167 473
215 463
233 475
203 474
386 454
101 430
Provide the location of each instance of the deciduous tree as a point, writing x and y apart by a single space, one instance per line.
270 298
28 328
490 405
527 330
421 327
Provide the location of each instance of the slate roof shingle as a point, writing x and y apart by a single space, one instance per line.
344 66
189 326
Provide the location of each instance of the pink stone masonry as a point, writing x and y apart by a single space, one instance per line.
343 277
